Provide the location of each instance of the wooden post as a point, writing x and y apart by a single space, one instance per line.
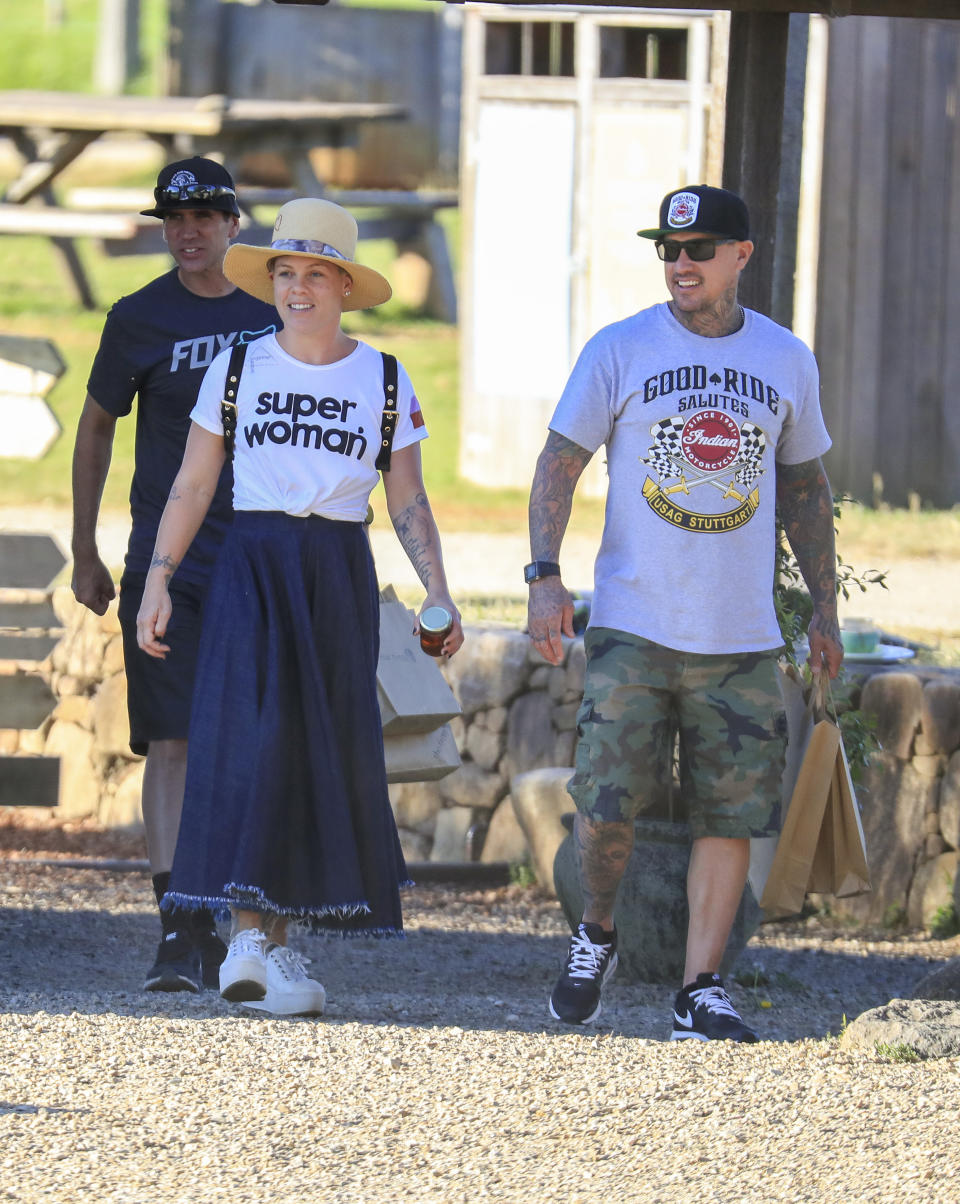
764 124
118 46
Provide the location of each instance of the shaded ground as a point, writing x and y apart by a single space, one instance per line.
81 939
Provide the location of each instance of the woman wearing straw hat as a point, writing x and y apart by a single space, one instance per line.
286 814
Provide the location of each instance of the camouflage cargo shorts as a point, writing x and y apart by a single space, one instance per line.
732 735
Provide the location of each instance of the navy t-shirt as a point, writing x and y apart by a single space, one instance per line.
157 343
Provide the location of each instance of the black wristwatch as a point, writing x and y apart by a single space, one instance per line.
540 568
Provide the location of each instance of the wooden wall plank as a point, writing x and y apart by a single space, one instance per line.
926 461
896 339
867 267
835 282
950 253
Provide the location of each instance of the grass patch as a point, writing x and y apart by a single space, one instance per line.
896 1051
42 51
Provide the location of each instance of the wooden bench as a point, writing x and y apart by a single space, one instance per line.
406 218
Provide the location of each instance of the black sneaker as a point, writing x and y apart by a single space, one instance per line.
177 967
212 951
590 962
704 1012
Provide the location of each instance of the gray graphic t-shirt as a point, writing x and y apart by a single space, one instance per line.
693 429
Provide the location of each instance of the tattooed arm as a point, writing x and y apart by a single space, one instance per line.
186 508
805 502
416 528
550 607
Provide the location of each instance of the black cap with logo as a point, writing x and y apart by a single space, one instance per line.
704 210
195 183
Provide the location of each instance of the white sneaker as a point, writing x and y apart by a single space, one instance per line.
243 974
290 992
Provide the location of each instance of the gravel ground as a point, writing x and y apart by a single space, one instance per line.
436 1075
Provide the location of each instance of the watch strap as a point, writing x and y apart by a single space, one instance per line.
538 569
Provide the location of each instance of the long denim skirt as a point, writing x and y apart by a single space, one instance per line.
286 807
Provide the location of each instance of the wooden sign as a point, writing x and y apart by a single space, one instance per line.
25 701
29 561
29 368
29 781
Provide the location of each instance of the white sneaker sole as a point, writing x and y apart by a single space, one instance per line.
288 1003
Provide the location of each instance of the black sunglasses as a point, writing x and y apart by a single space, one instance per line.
192 192
697 249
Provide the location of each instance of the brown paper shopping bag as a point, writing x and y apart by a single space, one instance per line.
416 703
411 690
821 847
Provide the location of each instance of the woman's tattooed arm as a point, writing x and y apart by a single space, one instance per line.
417 531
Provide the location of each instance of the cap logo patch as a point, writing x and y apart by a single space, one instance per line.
683 210
182 179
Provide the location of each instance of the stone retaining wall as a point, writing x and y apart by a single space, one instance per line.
519 715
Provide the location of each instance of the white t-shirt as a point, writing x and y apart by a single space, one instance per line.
307 434
693 427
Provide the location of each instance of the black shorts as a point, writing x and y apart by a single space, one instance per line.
159 692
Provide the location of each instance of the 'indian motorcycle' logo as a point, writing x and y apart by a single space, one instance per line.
708 448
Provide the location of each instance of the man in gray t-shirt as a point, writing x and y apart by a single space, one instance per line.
710 417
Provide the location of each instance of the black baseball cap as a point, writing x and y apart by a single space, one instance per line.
195 183
704 210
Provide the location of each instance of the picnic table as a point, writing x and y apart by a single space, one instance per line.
52 129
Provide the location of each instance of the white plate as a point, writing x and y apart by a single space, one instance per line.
882 652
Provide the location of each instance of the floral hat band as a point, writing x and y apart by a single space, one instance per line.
307 246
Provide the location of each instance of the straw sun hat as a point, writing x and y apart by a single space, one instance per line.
309 229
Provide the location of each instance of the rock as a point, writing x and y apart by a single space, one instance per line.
929 765
490 669
931 889
540 677
113 657
896 699
109 621
530 734
80 782
415 846
940 715
469 786
493 719
576 668
651 908
928 1028
65 606
505 839
75 708
484 746
942 983
564 748
950 802
564 717
121 807
111 724
893 801
540 800
415 803
450 834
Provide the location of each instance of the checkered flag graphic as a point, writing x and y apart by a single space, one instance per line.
666 450
752 443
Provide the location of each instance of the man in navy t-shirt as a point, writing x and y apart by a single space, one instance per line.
156 345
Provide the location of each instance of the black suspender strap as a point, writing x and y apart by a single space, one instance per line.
228 407
388 423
